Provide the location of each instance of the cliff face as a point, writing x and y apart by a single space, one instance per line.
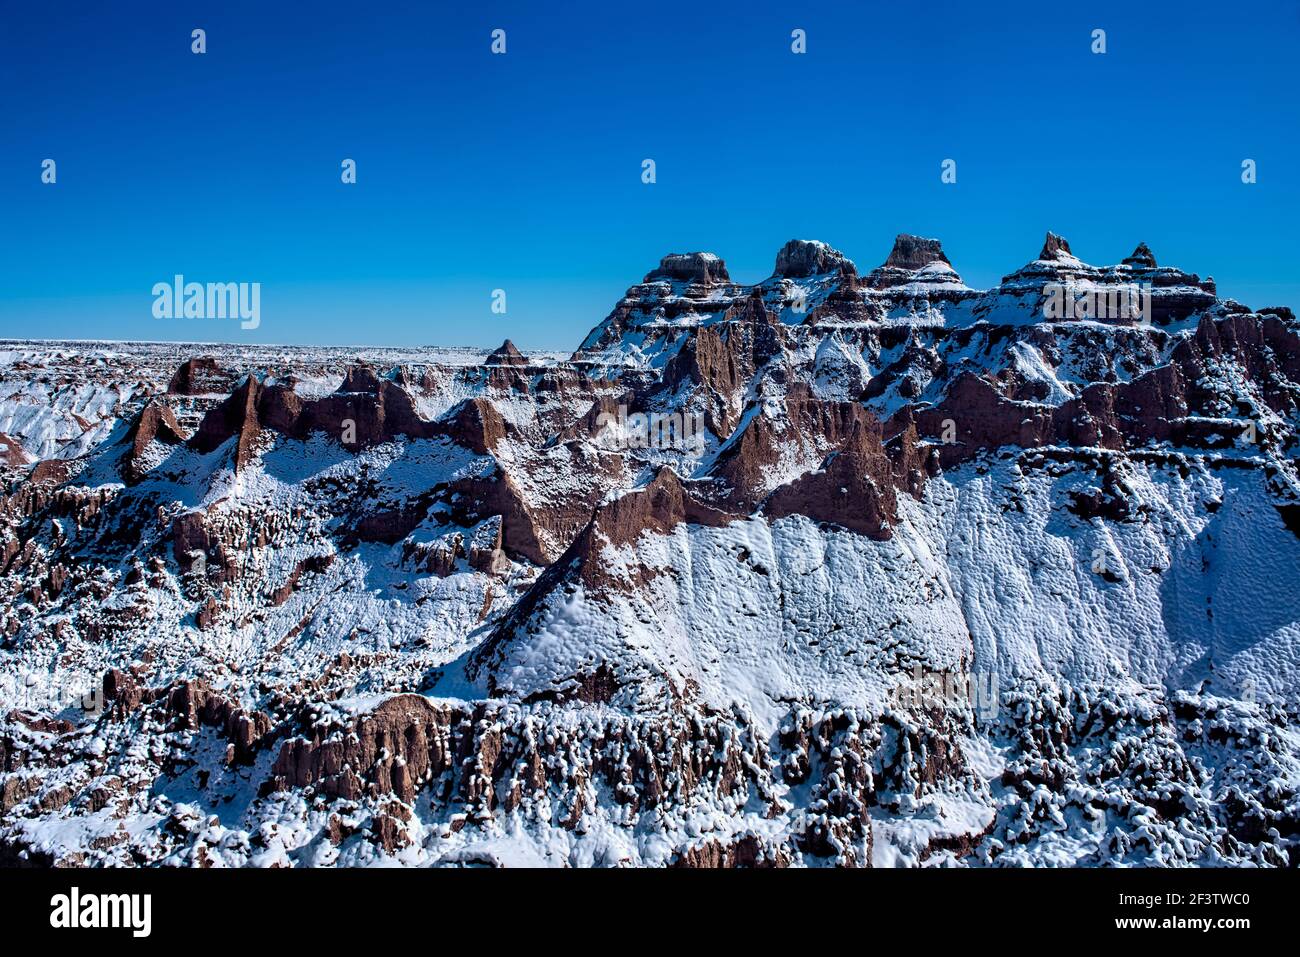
830 569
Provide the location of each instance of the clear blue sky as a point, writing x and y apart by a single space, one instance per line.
523 171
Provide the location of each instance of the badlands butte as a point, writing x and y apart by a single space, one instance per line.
948 576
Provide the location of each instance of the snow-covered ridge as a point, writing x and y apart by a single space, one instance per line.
814 284
938 580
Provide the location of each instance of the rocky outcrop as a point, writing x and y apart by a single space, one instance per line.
1181 403
719 361
506 355
801 258
486 759
202 375
1056 247
700 268
658 508
188 705
365 410
852 480
155 424
236 417
476 424
913 259
856 485
914 252
1142 258
749 851
11 452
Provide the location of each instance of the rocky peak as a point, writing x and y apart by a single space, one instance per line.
234 416
690 267
914 259
800 258
1055 263
914 252
156 423
1142 257
506 355
1056 247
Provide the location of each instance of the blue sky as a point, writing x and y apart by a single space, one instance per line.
522 171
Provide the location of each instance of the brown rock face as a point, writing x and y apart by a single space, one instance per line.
235 417
412 732
189 705
1055 247
914 252
659 507
475 424
910 254
981 418
843 492
11 451
199 549
193 703
506 355
156 423
121 688
366 410
719 361
524 528
1155 406
747 852
361 378
800 258
855 485
1268 350
314 565
200 376
702 268
1142 257
488 757
845 301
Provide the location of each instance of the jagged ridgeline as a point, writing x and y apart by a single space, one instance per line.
832 569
